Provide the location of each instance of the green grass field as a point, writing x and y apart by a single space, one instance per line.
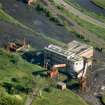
13 66
17 74
100 3
58 97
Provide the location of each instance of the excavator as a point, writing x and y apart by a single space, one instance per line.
53 73
81 75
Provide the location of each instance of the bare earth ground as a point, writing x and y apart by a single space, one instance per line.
35 20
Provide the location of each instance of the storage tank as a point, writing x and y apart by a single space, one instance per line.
78 66
76 63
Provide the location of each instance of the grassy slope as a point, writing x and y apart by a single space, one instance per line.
100 3
57 97
19 68
13 66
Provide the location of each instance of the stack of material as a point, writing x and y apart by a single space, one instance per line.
18 46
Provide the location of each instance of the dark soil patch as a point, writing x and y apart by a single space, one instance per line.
10 32
39 22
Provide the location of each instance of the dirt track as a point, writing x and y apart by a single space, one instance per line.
80 14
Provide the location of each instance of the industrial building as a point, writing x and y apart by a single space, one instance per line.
73 55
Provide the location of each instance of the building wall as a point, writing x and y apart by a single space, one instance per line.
59 59
87 54
55 58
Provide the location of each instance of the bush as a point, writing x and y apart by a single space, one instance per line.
15 80
60 7
48 89
6 99
8 86
14 89
40 8
103 99
57 20
79 36
26 90
49 14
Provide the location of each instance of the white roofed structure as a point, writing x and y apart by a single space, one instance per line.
72 55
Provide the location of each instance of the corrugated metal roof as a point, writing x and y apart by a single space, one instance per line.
72 51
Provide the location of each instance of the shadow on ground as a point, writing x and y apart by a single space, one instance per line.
34 57
23 1
42 73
